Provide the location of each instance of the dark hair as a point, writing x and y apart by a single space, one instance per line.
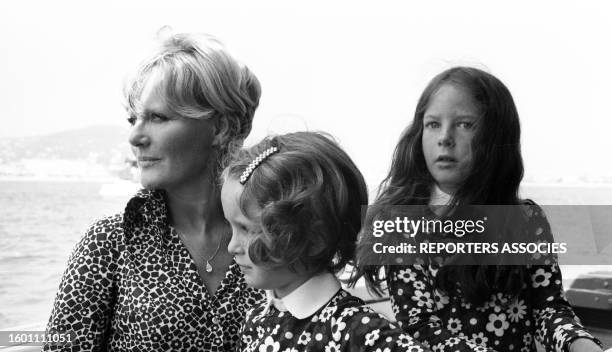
311 195
497 152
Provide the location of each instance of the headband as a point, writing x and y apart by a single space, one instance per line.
255 163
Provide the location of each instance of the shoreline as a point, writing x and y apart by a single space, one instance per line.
529 184
64 179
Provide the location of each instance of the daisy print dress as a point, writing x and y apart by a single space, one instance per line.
320 316
540 314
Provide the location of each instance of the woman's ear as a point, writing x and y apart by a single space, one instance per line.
220 131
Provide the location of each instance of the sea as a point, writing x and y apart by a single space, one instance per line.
42 220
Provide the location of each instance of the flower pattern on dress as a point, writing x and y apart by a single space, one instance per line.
343 324
539 314
517 310
540 278
497 324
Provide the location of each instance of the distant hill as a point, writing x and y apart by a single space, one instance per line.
98 144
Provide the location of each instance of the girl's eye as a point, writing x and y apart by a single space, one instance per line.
255 232
466 125
131 120
432 124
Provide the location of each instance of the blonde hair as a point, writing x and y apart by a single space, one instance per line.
201 80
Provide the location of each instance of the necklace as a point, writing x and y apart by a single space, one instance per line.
209 267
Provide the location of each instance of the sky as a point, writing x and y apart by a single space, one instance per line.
353 69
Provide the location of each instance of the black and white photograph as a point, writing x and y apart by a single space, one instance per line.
305 176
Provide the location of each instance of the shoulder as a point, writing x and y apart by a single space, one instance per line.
348 308
103 231
103 239
103 227
254 314
107 234
536 220
356 321
531 209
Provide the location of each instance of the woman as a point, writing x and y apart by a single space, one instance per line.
158 276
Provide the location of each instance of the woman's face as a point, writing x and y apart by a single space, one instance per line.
449 126
280 279
172 152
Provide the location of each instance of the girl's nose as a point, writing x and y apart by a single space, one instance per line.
138 134
447 139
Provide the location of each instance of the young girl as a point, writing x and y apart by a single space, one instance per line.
294 204
463 148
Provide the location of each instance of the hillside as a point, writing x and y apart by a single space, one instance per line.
97 151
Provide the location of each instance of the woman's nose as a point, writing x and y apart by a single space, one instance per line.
138 135
234 246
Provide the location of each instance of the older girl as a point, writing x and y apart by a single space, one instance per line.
463 148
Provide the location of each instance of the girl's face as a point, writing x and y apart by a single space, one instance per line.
449 125
172 151
244 229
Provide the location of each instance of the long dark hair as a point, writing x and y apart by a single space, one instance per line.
496 151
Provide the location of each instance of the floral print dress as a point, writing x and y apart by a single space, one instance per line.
540 314
343 323
132 285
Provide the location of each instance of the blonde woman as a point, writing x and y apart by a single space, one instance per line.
158 275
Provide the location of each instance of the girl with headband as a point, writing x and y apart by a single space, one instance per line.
294 203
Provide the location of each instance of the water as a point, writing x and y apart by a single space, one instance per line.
40 222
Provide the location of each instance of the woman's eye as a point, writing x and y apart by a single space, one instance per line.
432 124
158 118
131 120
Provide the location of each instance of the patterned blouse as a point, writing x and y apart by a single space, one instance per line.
132 285
540 314
341 323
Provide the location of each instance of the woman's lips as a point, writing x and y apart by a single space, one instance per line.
147 161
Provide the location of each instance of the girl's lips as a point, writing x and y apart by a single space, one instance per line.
445 164
447 159
242 266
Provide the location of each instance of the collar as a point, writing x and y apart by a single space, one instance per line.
438 196
153 200
307 299
146 209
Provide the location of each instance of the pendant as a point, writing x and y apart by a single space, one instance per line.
209 268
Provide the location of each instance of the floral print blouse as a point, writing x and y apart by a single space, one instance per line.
342 323
540 314
132 285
